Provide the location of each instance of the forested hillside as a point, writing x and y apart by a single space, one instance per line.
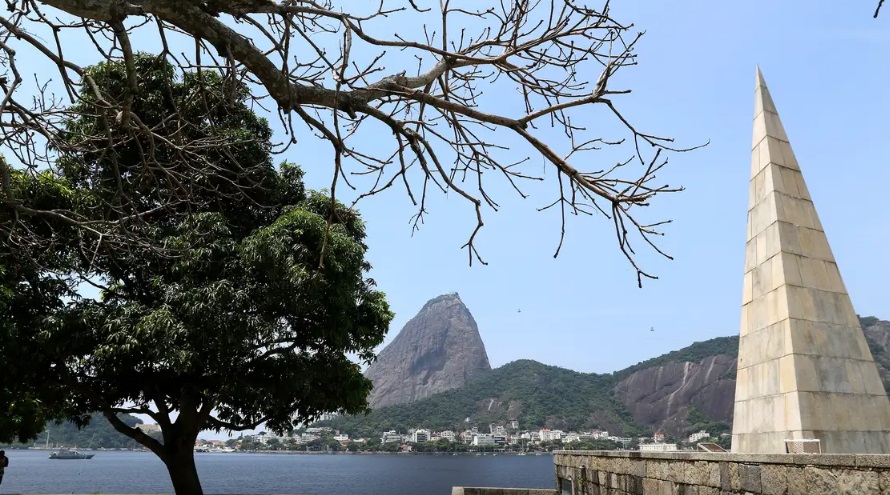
536 394
98 434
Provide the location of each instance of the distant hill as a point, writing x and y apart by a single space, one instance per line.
675 393
98 434
535 394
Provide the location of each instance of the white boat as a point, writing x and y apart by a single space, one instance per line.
70 454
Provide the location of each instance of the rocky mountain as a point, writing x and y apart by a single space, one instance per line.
661 395
438 350
675 393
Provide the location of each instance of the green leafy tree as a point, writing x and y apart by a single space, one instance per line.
235 306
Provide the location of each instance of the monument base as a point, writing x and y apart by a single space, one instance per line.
705 473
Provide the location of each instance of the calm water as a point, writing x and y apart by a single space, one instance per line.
142 472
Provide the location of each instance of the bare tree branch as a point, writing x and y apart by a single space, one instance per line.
467 94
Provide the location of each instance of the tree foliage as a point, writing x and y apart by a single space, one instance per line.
222 312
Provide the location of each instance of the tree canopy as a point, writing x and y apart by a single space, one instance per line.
216 309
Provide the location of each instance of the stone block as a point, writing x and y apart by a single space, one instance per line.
653 469
820 481
650 485
725 476
835 281
755 163
759 279
885 482
791 377
859 482
762 345
774 126
708 490
870 461
757 184
792 181
786 270
812 272
763 100
770 152
814 244
748 287
749 477
696 473
796 480
762 215
792 210
759 135
635 485
676 471
773 480
788 158
777 305
713 474
871 380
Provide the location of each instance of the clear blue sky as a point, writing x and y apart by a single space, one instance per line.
826 66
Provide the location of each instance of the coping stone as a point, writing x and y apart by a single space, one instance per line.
842 460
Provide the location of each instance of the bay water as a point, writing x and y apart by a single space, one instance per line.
122 472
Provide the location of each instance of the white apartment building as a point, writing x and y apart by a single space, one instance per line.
342 438
571 437
447 435
550 435
698 436
483 439
420 436
391 436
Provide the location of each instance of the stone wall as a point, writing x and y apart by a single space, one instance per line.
466 490
702 473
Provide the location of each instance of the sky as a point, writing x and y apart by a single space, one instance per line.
827 71
826 67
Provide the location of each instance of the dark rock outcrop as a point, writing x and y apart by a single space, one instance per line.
439 349
659 397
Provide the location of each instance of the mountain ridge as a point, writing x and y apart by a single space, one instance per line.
671 393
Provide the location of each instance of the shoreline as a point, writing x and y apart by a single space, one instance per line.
301 452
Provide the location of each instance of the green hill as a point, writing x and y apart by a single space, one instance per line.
98 434
536 394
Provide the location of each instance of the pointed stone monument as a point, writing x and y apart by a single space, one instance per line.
804 369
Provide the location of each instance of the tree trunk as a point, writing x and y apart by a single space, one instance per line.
183 472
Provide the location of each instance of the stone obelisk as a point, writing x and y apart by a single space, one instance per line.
804 369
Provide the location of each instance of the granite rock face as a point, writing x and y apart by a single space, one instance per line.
659 397
439 349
